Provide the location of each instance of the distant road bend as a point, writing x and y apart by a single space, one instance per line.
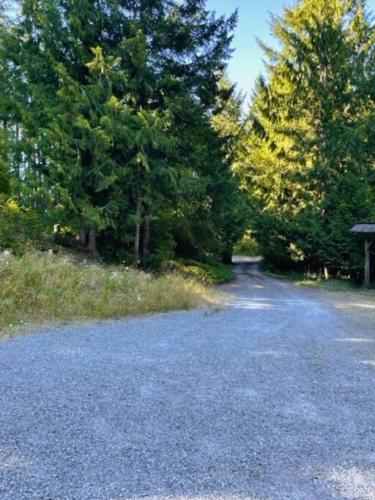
271 397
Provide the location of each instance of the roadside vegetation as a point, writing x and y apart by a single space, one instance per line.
43 287
117 133
316 281
209 272
247 246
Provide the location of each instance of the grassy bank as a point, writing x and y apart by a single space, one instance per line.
39 288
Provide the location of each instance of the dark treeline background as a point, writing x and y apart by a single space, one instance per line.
110 127
118 124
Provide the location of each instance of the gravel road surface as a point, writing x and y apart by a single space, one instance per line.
271 397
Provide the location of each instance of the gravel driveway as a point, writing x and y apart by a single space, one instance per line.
271 397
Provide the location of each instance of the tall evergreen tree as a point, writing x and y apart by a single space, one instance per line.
309 164
104 95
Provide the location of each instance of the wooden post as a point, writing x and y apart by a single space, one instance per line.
146 238
367 262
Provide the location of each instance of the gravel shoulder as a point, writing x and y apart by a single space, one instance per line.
270 397
358 303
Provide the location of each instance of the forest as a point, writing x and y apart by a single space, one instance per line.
121 134
113 119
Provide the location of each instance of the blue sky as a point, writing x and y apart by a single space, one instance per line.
253 22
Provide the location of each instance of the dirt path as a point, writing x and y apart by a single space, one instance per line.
270 398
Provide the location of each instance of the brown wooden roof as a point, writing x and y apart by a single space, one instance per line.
363 228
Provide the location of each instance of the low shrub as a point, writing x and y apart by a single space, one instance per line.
208 273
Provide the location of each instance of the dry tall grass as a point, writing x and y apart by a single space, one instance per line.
39 288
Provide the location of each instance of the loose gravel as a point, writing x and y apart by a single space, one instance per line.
271 397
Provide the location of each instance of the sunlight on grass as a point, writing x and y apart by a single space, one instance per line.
39 288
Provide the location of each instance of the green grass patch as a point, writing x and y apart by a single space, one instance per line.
42 287
287 275
209 273
330 285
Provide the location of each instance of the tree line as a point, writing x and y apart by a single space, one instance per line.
110 126
119 125
308 156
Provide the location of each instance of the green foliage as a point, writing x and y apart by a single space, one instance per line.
4 173
308 164
19 228
36 288
119 126
209 272
247 246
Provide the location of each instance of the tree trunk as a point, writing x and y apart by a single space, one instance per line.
91 245
17 159
146 238
82 238
226 255
136 260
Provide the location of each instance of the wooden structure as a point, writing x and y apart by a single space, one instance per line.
367 230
